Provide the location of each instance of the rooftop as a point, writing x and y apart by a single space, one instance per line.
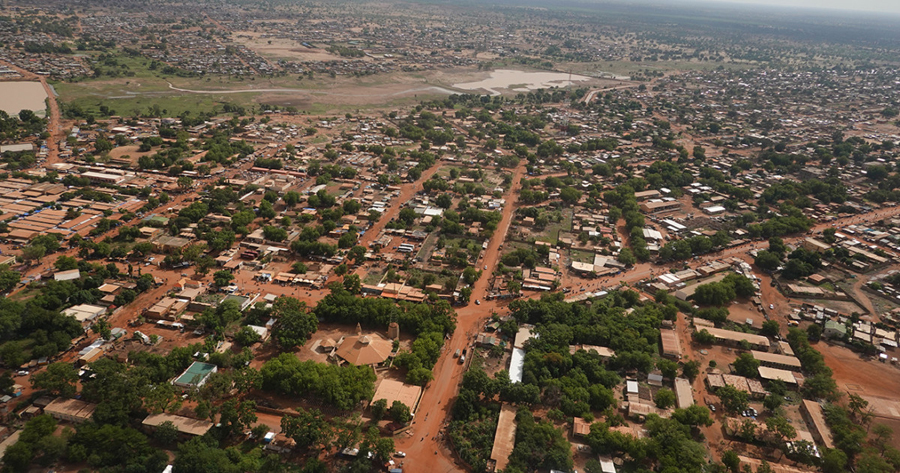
185 425
370 349
392 390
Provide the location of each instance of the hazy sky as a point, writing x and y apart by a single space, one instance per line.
881 6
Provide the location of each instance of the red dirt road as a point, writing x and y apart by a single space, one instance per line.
425 452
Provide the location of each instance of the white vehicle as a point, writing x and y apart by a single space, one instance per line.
400 455
771 306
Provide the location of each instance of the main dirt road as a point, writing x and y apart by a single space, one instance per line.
425 449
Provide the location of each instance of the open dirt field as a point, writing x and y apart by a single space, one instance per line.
739 312
281 48
131 150
859 376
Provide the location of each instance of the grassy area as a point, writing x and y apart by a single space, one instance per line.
444 171
416 276
551 232
373 277
582 256
137 87
25 294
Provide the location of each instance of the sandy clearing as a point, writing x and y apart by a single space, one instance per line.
857 375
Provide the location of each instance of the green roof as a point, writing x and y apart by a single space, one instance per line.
831 324
196 374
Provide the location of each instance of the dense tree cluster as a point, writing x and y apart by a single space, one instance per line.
36 328
294 322
340 386
538 445
696 245
779 226
723 292
669 446
819 383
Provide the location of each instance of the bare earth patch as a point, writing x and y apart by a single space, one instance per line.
282 48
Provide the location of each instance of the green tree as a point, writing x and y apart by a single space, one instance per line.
352 283
310 429
664 398
8 278
399 412
767 260
357 254
773 402
274 233
246 336
781 428
746 365
717 294
32 253
703 337
13 354
294 322
814 332
569 195
626 257
17 457
668 367
691 369
881 436
732 399
470 275
65 263
102 145
266 211
747 430
770 328
236 416
59 378
291 198
695 415
166 433
834 461
378 409
184 183
731 461
222 278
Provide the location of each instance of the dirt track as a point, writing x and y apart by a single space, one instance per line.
425 452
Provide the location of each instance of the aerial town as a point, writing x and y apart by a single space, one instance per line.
414 237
